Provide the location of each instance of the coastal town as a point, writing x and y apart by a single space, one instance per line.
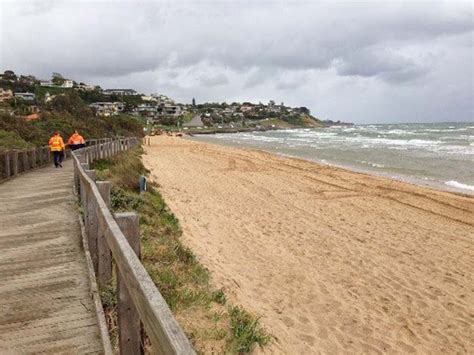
28 96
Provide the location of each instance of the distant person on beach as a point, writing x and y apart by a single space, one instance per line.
56 146
76 141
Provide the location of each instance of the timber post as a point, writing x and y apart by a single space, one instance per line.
92 224
128 318
24 156
104 262
14 165
7 165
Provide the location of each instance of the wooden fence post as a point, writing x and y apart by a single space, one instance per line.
7 165
104 262
91 221
26 165
33 158
14 165
128 318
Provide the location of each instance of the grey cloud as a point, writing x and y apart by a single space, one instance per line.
382 63
214 80
253 50
258 76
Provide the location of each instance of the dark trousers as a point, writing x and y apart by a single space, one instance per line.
76 146
58 158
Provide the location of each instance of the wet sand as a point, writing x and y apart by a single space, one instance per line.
334 261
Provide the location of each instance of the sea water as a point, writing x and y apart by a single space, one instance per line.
435 154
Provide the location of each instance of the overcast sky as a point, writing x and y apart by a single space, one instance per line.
396 61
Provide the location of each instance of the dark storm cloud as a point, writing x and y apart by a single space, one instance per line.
301 49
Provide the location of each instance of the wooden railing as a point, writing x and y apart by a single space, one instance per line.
117 237
15 162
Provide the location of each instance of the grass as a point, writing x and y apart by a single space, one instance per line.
246 330
204 312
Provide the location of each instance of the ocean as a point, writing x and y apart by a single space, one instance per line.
439 155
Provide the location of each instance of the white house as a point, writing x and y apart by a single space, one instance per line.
67 83
120 92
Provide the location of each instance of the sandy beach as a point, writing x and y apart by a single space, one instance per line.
333 261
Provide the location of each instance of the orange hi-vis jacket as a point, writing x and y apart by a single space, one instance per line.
76 138
56 144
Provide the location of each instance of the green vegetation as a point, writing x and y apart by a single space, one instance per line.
65 113
203 311
11 140
246 330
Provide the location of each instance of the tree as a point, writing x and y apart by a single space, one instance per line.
304 110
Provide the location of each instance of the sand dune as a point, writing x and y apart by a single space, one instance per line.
334 261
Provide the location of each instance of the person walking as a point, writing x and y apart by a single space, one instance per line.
76 141
56 146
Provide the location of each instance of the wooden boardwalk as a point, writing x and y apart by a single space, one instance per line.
45 301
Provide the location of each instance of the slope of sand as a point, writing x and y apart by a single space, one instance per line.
334 261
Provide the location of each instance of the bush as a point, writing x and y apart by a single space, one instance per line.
11 140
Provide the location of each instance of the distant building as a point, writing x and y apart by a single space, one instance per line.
46 83
163 99
85 87
148 98
120 92
107 108
148 109
5 94
27 96
67 83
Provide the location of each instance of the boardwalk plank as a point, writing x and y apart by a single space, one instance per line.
45 302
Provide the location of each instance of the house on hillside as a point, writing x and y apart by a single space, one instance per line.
148 109
46 83
162 99
5 94
107 108
27 96
67 84
85 87
120 92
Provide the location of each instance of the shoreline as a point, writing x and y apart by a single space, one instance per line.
426 182
332 260
411 180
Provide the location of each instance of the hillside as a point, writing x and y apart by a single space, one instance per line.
64 113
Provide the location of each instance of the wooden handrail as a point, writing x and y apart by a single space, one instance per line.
165 334
17 161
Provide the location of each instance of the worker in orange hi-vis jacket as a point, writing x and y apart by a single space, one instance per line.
56 146
76 141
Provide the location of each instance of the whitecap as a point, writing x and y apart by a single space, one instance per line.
459 185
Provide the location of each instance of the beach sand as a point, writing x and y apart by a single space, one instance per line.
332 260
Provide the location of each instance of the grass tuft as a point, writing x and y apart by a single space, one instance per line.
246 330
